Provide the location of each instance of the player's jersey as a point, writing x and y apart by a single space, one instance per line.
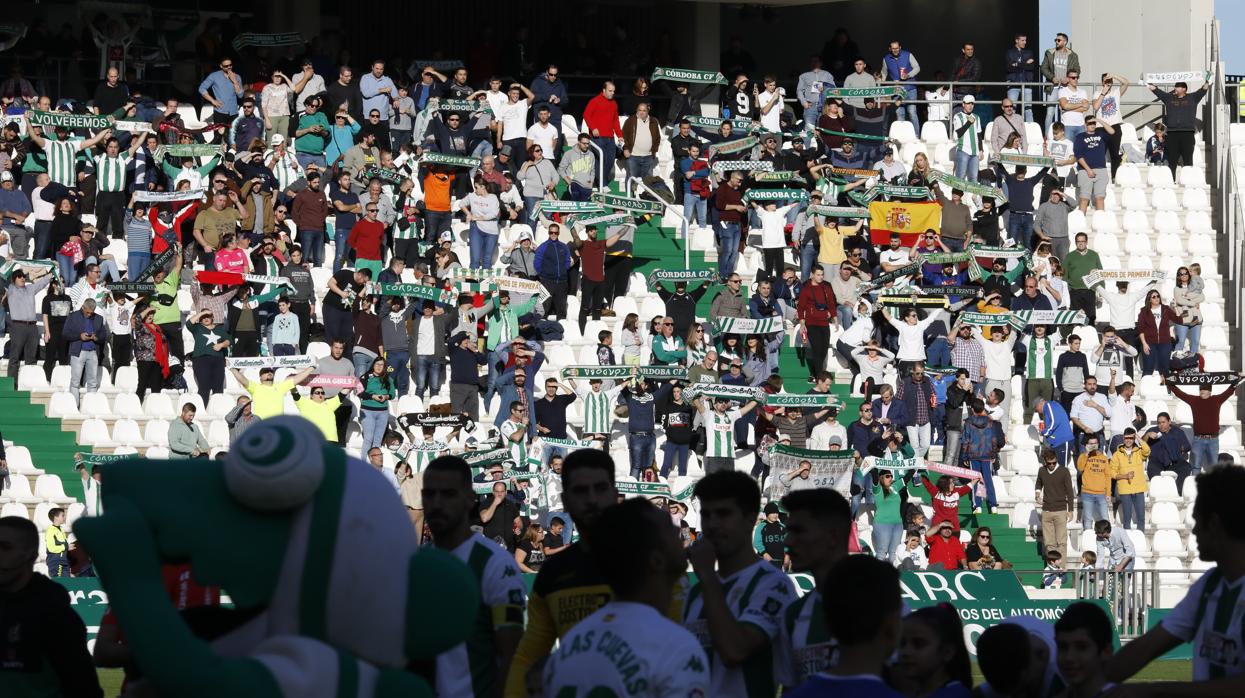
758 595
598 413
806 646
1210 616
720 432
627 649
470 669
518 449
568 589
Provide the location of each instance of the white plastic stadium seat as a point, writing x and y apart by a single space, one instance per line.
1128 176
1165 199
1160 178
903 131
934 132
62 405
95 433
49 488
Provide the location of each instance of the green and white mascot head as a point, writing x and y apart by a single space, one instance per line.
332 594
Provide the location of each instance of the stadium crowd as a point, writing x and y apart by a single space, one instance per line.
422 232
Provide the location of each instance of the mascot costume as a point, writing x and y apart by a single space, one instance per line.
333 595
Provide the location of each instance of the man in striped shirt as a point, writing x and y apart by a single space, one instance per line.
62 154
1212 613
967 129
110 186
598 410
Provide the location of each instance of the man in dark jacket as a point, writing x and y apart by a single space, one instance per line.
980 442
42 639
553 264
892 414
681 305
967 69
916 393
1181 121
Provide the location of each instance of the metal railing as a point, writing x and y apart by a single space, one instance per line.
1130 594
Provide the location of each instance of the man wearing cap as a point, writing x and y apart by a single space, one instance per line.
14 209
967 132
1093 176
268 398
280 159
681 304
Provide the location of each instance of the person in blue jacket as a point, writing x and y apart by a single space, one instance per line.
1056 427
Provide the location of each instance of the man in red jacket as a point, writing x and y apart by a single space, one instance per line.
367 239
601 116
945 549
1205 407
815 310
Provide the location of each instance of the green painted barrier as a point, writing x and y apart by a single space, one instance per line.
1154 616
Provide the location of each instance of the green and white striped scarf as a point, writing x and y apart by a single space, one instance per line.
779 176
739 325
862 92
430 158
69 121
712 123
643 489
674 275
699 77
627 203
776 195
728 392
1026 160
546 206
901 191
420 291
743 166
733 146
854 212
965 185
808 400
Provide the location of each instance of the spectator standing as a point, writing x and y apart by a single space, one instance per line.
1205 407
641 424
859 77
208 353
601 117
1074 105
1128 469
641 136
86 331
719 421
549 91
979 444
377 91
810 90
1055 494
1181 122
1187 298
966 130
1021 68
1093 177
728 201
221 89
1050 223
1005 125
1115 546
1154 329
1109 112
816 310
901 66
1057 62
1095 475
23 331
967 69
1079 262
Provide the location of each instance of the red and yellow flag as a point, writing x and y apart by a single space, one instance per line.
909 219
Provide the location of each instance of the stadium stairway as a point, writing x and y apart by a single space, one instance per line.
51 447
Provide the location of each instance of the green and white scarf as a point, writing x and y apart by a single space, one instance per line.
568 443
976 272
808 400
943 257
734 146
627 203
779 176
743 166
254 39
420 291
546 206
383 174
965 185
430 158
601 220
902 191
132 126
70 121
699 77
775 195
885 277
739 393
741 325
1174 77
713 122
101 458
132 288
1026 160
479 459
167 196
29 266
643 489
439 64
464 105
854 212
918 301
863 92
188 150
656 277
1099 276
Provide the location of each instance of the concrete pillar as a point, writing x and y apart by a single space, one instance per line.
705 26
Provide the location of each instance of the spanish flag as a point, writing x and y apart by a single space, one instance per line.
909 219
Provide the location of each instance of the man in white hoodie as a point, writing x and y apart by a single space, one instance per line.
999 363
